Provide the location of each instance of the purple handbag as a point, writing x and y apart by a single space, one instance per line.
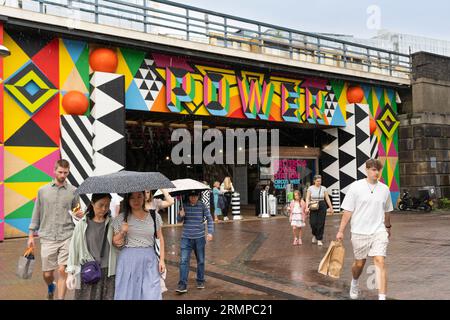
91 271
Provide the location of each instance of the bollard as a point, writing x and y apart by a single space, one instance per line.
236 206
264 204
172 211
272 205
335 200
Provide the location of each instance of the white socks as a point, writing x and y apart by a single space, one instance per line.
381 296
354 282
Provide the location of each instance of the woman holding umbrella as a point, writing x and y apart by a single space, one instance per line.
152 203
138 270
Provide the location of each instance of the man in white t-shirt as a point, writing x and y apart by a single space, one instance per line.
368 203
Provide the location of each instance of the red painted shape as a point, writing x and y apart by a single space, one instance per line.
48 119
47 60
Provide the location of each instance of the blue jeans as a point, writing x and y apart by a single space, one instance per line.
187 245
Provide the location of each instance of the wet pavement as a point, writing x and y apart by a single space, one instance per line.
254 259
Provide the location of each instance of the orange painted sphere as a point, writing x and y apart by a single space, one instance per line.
75 103
355 95
373 126
104 60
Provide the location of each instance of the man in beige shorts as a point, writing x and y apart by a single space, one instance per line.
368 203
51 217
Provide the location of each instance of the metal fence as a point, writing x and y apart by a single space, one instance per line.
180 21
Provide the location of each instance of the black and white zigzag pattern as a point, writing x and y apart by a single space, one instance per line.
108 112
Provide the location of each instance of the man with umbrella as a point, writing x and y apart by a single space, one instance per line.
194 215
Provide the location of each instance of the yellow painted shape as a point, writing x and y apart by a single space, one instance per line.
13 164
61 109
14 116
17 58
13 200
27 189
122 68
31 154
162 73
32 107
342 102
66 65
204 69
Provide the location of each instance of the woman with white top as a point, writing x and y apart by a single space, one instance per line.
319 193
227 189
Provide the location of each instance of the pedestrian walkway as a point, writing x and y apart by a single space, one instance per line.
255 259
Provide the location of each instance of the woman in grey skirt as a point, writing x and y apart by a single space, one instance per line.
138 270
87 244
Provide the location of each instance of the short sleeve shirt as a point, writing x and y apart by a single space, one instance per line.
317 193
140 232
367 208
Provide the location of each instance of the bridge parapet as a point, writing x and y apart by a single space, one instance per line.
173 20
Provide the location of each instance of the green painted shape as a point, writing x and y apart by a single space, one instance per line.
385 175
133 58
24 211
338 87
82 66
30 174
370 102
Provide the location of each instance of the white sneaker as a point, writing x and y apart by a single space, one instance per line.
314 240
354 291
319 243
225 219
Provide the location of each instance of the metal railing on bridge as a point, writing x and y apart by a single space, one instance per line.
180 21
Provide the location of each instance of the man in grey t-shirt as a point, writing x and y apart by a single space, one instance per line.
52 218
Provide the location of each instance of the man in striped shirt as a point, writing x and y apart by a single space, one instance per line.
194 215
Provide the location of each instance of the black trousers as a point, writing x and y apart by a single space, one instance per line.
317 220
227 203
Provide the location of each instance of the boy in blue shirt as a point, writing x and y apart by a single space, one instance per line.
194 215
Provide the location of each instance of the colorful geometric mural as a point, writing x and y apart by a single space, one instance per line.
73 68
31 129
2 211
171 84
383 108
42 69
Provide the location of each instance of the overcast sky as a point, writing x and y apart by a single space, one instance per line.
429 18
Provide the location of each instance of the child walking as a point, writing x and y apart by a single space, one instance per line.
297 216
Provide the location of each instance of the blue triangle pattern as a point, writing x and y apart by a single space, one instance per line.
134 99
75 48
22 224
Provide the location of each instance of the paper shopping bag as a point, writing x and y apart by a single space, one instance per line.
25 265
336 260
333 261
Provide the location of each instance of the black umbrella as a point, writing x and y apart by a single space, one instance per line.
125 182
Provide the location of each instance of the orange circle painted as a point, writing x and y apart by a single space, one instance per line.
355 95
373 126
75 103
104 60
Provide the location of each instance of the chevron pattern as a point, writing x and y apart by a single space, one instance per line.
108 112
330 165
347 148
362 134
